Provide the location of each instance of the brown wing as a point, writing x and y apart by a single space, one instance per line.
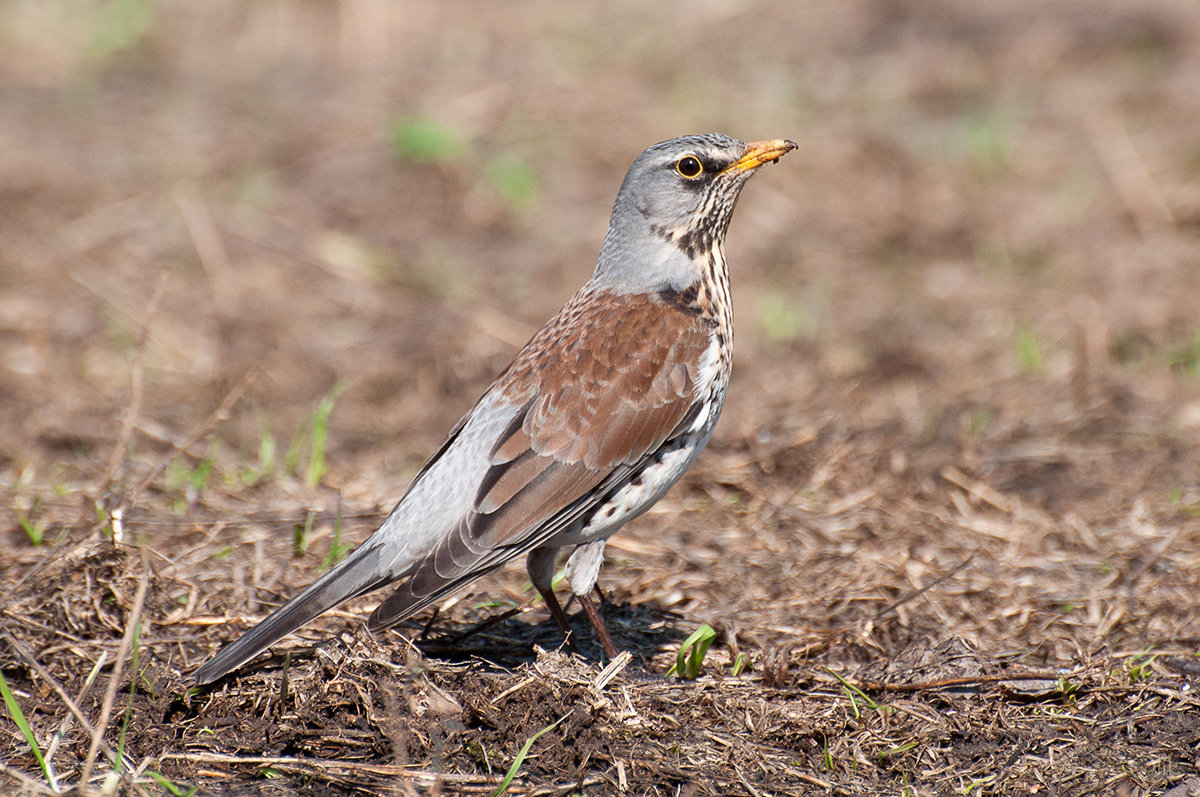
601 387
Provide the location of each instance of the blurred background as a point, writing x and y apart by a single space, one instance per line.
968 305
257 258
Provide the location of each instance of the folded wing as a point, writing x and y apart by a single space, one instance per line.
601 389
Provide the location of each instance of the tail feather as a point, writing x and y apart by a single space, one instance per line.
404 603
360 573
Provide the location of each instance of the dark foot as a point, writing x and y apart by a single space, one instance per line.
602 634
560 617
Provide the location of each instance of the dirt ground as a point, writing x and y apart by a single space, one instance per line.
256 259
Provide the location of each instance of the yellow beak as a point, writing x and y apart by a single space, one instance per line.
761 152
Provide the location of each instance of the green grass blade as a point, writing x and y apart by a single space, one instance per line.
691 653
320 434
291 457
853 701
31 529
524 751
700 650
421 139
851 690
18 717
337 551
1029 352
300 535
166 783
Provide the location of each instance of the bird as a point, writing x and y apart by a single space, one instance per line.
595 418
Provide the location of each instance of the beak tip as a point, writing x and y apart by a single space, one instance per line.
761 152
782 145
772 151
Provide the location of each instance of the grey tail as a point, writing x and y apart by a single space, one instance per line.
358 574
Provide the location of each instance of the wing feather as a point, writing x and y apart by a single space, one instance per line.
594 407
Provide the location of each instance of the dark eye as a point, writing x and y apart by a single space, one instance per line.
689 167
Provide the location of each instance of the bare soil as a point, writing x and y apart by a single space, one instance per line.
950 521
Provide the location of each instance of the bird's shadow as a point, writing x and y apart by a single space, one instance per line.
505 641
508 641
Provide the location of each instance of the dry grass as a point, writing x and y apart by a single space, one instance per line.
951 516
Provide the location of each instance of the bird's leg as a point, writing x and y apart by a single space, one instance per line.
560 617
583 567
605 638
540 566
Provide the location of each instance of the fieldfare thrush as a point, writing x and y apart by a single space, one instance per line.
592 422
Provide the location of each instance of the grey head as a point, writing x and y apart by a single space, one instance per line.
673 209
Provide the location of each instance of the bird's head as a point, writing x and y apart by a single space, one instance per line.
674 207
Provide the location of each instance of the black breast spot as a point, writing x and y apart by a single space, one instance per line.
685 299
